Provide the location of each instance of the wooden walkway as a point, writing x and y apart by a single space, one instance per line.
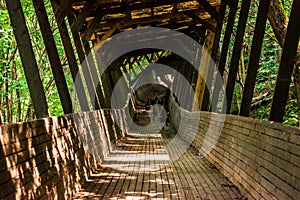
140 168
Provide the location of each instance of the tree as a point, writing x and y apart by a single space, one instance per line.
278 18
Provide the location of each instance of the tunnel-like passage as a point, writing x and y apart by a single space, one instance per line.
87 155
147 91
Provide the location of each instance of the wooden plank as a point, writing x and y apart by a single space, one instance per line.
62 27
232 4
92 27
92 66
139 6
211 10
223 58
106 36
148 20
62 10
253 65
203 71
236 54
78 23
213 60
29 64
286 65
198 20
54 59
81 55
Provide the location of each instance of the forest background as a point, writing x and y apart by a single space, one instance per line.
15 102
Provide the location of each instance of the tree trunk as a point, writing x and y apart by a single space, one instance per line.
279 22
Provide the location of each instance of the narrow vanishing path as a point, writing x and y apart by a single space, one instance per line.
140 168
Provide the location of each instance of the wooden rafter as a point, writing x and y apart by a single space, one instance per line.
78 23
211 10
124 22
92 27
107 35
232 4
62 10
199 20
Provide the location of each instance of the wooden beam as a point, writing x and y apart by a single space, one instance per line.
213 60
223 58
236 54
72 62
203 71
124 22
78 23
286 65
88 12
232 4
211 10
253 65
29 64
92 27
85 68
140 6
62 10
107 35
198 20
54 59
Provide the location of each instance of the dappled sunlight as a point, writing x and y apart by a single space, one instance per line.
42 158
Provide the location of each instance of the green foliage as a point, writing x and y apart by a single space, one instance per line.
268 69
15 102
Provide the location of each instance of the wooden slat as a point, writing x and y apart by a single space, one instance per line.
87 12
211 10
125 23
223 58
62 10
81 55
236 53
286 65
232 4
253 65
213 61
62 27
78 23
54 59
92 68
106 36
29 64
92 27
140 6
198 20
203 71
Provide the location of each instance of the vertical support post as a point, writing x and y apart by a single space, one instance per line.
223 58
236 54
81 55
253 65
286 65
213 60
203 71
92 63
77 79
33 78
55 63
107 88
